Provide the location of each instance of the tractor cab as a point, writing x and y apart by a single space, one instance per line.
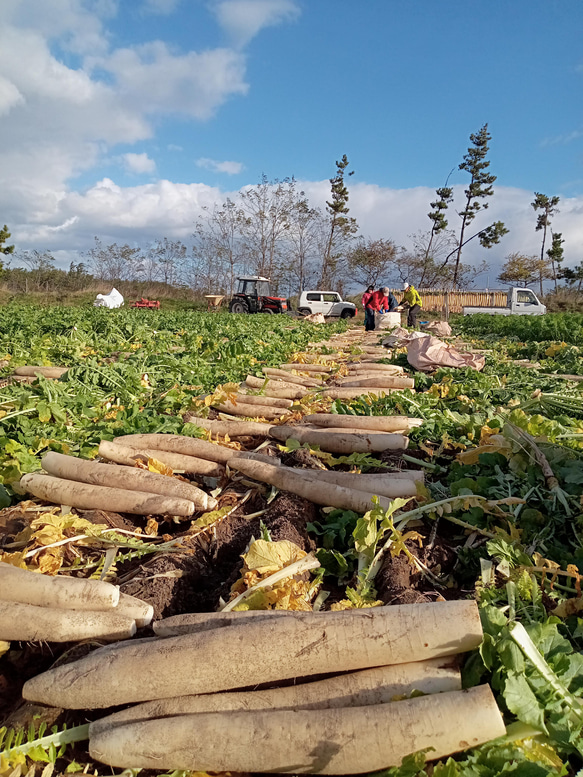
252 296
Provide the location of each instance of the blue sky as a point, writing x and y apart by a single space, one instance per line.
123 119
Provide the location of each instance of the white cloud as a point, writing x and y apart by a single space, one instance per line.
244 19
67 221
399 213
60 120
230 168
151 79
139 163
9 96
173 147
564 139
78 25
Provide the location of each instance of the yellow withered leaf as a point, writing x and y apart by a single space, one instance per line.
16 559
50 561
161 469
268 557
4 647
496 444
568 607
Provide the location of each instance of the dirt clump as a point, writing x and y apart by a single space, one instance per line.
196 579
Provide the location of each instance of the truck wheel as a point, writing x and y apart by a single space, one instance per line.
304 311
347 314
238 306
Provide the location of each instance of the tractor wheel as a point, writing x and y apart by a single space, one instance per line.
268 310
238 306
304 311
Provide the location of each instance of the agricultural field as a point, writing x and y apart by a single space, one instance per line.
483 505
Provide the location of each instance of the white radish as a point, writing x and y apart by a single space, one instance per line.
131 479
230 428
258 383
342 442
176 443
261 651
252 411
345 740
383 423
391 369
136 609
86 497
301 483
124 454
381 486
261 399
289 377
72 593
357 689
46 372
393 382
355 393
29 623
301 367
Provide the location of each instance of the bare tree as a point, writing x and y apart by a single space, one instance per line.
303 238
371 261
166 260
218 238
426 269
116 263
266 209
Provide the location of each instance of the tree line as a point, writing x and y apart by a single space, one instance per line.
271 229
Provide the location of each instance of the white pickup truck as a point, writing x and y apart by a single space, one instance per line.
329 303
521 302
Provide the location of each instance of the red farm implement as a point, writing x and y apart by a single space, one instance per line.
153 304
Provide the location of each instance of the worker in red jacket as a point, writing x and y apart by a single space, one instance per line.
368 309
380 300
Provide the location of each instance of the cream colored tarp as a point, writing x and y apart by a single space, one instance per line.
428 353
438 328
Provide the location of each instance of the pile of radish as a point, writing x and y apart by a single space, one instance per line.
273 396
364 719
35 607
71 481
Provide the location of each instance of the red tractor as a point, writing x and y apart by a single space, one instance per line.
151 304
252 296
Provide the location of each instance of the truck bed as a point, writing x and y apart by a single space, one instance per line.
488 310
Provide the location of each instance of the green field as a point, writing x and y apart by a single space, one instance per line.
502 450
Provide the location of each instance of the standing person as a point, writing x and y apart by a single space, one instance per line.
368 310
411 300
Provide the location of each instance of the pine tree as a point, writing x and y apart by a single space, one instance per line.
548 208
480 187
556 254
341 226
4 236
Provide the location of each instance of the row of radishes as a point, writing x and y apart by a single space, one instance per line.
82 484
35 607
282 387
189 715
89 485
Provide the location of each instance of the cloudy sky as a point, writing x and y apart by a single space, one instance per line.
123 118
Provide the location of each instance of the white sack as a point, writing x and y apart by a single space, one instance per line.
112 300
